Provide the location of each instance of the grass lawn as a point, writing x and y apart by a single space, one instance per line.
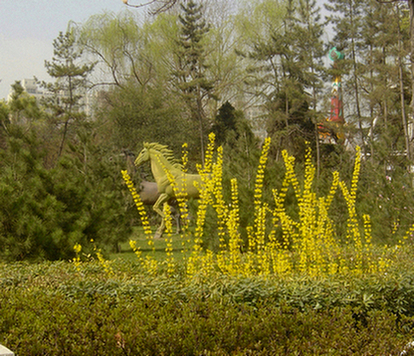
180 249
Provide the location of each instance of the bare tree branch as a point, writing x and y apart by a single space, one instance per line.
163 5
387 1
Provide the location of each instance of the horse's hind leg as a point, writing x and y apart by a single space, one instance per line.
177 217
163 198
175 213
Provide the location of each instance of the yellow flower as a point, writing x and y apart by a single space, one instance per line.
77 248
140 207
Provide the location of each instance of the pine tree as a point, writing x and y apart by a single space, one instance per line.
385 44
310 53
70 86
23 108
225 123
346 20
287 75
191 74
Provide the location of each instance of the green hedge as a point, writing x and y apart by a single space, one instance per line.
39 324
54 309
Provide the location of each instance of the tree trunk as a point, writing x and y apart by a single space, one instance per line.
200 115
411 114
400 72
356 86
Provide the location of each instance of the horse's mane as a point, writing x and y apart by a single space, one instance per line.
165 151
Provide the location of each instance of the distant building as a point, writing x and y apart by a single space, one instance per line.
31 87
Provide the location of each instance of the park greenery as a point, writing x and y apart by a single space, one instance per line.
295 246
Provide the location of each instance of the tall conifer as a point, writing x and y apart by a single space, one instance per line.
70 83
191 74
346 20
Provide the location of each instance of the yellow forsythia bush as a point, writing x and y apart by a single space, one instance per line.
306 244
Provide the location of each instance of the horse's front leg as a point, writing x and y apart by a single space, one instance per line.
162 199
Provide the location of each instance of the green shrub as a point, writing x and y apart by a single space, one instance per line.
54 308
53 324
45 211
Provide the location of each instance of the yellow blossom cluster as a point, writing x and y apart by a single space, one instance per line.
258 186
149 263
134 248
219 204
196 260
350 196
182 203
76 260
106 264
208 157
184 156
140 206
181 197
363 248
233 222
255 242
168 240
278 243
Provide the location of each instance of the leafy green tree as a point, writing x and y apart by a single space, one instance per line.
130 116
120 48
225 67
139 60
139 104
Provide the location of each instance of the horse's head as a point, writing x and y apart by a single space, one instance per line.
143 156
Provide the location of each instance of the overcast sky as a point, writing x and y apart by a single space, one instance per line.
28 28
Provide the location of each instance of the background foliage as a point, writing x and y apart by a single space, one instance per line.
243 70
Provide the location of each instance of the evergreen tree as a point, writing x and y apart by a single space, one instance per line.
311 51
225 123
346 20
24 109
287 67
385 79
191 75
4 123
70 86
45 211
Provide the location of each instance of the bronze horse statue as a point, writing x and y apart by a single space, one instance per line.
149 194
148 191
162 161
